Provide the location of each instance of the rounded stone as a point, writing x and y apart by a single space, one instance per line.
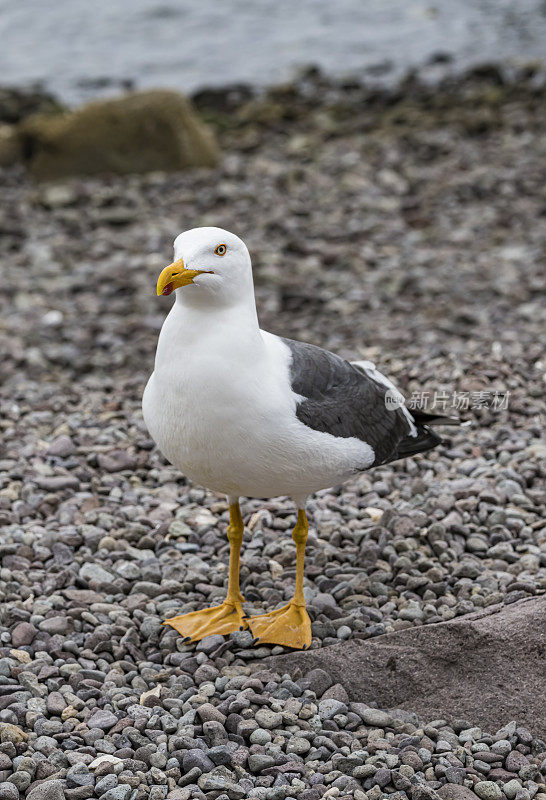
487 790
260 736
268 719
511 788
209 644
8 791
502 747
23 634
515 761
258 761
372 716
197 758
382 777
329 708
298 745
21 780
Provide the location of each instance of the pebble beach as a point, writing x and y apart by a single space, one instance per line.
406 228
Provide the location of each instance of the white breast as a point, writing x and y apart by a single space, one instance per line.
221 409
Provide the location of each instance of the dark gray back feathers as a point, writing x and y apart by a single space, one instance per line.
343 400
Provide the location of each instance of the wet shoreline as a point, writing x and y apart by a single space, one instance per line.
91 52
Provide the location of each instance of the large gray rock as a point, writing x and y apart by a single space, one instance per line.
487 666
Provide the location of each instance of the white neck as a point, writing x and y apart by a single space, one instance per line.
193 325
201 305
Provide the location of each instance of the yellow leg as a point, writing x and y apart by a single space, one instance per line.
229 616
289 625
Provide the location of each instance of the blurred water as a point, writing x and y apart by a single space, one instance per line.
76 47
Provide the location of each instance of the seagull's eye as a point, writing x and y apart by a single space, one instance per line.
221 250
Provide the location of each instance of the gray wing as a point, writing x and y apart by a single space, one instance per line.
343 399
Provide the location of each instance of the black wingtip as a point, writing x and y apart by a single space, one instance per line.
433 420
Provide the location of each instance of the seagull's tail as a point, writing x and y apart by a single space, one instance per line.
426 438
433 420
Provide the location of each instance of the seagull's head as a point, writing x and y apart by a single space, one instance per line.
210 265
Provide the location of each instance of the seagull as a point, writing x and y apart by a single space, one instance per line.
249 414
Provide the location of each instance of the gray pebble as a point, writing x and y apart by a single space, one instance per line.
372 716
329 708
102 719
257 762
268 719
23 634
488 790
197 758
8 791
49 790
121 792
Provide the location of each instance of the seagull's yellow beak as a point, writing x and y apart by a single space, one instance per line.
176 275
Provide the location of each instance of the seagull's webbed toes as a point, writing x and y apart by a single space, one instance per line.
288 626
223 620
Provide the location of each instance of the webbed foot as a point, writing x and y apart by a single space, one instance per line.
221 620
289 626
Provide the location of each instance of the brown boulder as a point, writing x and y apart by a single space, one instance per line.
11 150
488 667
140 132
